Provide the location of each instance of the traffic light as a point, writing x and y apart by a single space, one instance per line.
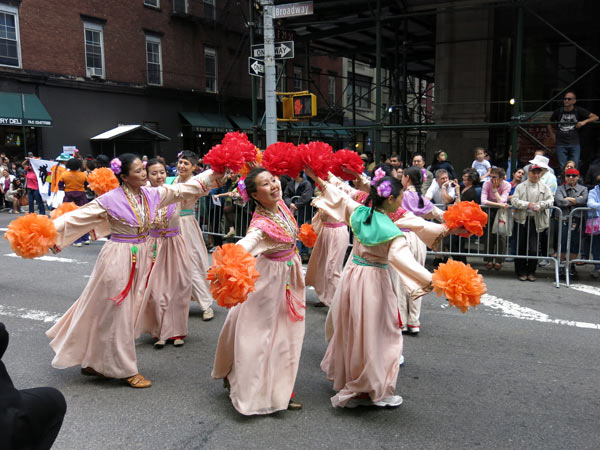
299 106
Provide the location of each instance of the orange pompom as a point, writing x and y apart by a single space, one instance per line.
102 180
460 283
63 209
307 235
468 215
232 275
245 170
31 236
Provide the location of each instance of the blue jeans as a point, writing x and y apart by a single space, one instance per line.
35 195
566 153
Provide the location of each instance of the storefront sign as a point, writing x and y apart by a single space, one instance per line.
12 121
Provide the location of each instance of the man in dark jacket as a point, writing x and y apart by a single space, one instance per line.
297 196
29 418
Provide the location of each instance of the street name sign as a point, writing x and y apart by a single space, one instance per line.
292 10
283 50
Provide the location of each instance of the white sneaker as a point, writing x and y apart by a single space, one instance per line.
544 263
392 401
87 242
178 342
159 344
414 330
208 314
401 360
77 244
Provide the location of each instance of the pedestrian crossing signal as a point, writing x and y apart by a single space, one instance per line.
299 106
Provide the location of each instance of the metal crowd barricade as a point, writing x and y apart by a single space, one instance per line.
586 241
462 248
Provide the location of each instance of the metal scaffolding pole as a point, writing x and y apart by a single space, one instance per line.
378 83
516 117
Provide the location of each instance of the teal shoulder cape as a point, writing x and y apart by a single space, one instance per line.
170 180
379 231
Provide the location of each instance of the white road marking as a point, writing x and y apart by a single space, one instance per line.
585 288
510 309
51 259
33 314
3 229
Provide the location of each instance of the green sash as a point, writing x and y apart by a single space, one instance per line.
379 231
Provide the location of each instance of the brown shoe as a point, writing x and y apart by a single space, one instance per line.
531 277
523 277
294 405
138 381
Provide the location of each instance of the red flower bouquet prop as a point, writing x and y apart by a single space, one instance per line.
31 236
232 275
102 180
468 215
240 141
348 159
245 170
460 283
222 157
282 158
307 235
318 156
63 209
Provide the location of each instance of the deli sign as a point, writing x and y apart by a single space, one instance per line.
18 122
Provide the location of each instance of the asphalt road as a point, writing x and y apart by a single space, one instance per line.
521 371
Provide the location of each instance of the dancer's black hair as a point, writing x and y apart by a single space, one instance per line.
190 156
375 200
416 178
127 159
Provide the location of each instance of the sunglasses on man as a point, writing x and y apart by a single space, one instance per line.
572 176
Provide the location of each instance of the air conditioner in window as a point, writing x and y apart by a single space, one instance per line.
180 6
94 72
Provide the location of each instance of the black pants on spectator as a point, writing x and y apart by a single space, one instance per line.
528 244
46 408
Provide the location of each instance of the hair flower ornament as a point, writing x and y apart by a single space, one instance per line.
378 175
179 154
242 190
115 165
384 189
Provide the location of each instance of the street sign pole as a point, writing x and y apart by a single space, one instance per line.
270 96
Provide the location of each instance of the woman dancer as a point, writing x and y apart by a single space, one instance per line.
363 355
169 289
327 258
259 346
98 331
73 182
192 235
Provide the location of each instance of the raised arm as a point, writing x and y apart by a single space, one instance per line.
197 186
89 218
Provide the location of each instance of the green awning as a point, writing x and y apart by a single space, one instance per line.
23 110
242 122
207 122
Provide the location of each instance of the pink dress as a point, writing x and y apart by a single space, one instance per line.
96 332
198 255
169 289
364 351
260 343
327 258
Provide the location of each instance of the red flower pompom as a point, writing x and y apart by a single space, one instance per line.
102 180
348 159
232 275
460 283
307 235
281 158
318 156
31 236
245 170
222 157
240 141
63 209
468 215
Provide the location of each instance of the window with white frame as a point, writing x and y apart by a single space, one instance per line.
210 11
152 3
154 60
94 49
331 89
180 6
362 90
297 78
10 48
210 69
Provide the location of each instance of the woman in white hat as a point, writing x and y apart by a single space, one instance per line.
531 200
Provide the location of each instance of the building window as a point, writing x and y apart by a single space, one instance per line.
210 69
210 10
297 78
154 60
10 48
180 6
331 89
362 91
152 3
94 50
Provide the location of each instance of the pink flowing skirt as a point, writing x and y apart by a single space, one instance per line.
192 235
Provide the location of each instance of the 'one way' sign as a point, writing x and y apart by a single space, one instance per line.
283 50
